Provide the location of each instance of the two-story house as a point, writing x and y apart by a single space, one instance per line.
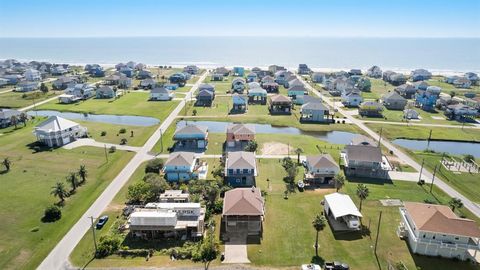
238 135
191 137
320 169
364 161
240 169
181 166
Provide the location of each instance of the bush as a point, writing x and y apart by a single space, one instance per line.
217 207
154 166
123 141
122 130
112 149
251 146
108 244
103 133
52 214
469 158
140 192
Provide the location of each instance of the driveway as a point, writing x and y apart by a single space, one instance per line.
236 249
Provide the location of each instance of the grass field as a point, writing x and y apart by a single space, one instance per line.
422 133
447 88
16 99
133 103
25 192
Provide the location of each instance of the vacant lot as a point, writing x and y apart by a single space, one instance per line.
20 100
25 192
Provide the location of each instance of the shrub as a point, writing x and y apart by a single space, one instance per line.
123 141
469 158
154 166
194 112
108 244
52 214
140 192
103 133
122 130
251 146
112 149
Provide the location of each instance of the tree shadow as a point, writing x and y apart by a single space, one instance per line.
4 171
317 260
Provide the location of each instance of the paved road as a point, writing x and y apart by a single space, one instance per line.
475 126
92 142
58 257
426 175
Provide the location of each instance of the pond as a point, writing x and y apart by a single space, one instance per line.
451 147
335 137
130 120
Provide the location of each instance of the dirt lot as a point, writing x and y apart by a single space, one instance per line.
275 148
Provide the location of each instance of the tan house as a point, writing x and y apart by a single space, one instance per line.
243 211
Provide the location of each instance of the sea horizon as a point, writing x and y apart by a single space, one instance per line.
457 55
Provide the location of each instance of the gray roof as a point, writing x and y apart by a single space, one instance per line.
321 161
392 96
241 129
280 98
364 153
241 160
180 159
191 129
317 106
204 93
159 90
8 113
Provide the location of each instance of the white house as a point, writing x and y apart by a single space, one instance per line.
57 131
435 230
321 168
342 212
161 93
32 75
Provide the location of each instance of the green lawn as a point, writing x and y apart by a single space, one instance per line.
133 103
465 183
24 240
17 100
419 132
140 134
288 236
447 88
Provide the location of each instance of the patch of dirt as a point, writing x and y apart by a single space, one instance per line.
324 190
20 259
115 207
275 148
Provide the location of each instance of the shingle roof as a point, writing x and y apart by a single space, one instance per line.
243 129
364 153
440 219
241 160
318 106
243 202
321 161
159 90
180 159
280 98
8 113
191 129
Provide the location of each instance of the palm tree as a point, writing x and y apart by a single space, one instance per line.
83 173
318 223
362 193
339 181
73 180
298 151
23 118
14 120
7 163
59 191
455 203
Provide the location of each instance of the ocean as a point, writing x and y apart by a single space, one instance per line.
436 54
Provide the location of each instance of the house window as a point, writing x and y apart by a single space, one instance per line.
457 238
238 171
245 170
230 171
424 236
433 237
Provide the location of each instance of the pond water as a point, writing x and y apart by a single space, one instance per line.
335 137
130 120
451 147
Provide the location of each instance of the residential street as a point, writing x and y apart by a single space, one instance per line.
426 175
58 257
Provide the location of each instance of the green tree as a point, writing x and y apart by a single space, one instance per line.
154 166
83 173
23 118
72 179
140 192
455 203
362 193
469 158
208 249
59 191
44 88
157 184
123 141
108 244
298 151
7 163
452 94
52 213
339 181
251 146
319 223
14 120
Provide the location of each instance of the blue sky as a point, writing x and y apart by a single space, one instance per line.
344 18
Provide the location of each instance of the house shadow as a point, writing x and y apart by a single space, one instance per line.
156 244
38 147
370 180
238 238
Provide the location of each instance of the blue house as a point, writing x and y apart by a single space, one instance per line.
171 86
239 103
181 166
129 72
252 77
425 100
297 92
178 78
95 70
191 137
238 71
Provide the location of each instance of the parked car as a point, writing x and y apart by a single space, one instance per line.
101 222
336 266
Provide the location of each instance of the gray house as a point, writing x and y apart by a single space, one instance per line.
364 161
393 101
240 169
6 117
314 111
105 92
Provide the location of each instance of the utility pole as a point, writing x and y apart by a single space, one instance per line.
94 236
421 170
380 136
429 138
378 231
106 155
433 178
